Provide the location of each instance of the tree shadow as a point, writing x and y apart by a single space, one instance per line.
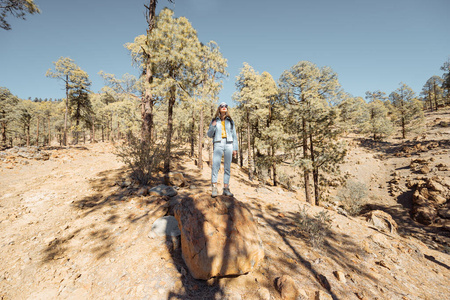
100 211
339 247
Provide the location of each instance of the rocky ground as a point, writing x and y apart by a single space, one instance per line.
73 227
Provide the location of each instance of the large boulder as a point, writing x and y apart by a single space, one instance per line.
424 214
382 221
428 198
218 236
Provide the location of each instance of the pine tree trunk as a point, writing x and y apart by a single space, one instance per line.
435 96
147 100
92 130
250 156
37 132
169 130
118 130
315 170
274 167
306 173
147 107
49 132
28 136
403 128
200 141
66 113
192 134
3 133
76 132
241 152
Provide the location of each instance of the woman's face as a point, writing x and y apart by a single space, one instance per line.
223 108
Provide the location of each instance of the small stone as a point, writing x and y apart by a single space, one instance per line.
142 191
321 295
264 294
340 276
287 287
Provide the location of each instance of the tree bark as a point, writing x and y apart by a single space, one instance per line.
92 130
274 167
37 132
28 135
49 132
315 171
169 130
435 96
192 138
306 173
200 141
147 99
3 133
147 106
250 156
66 113
241 152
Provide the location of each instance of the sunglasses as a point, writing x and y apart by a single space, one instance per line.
223 106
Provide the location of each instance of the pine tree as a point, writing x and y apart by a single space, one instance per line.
18 9
312 93
8 103
80 102
248 96
433 92
446 81
376 121
351 112
408 109
67 71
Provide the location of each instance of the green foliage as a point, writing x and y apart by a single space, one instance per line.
353 196
8 103
17 8
408 111
376 120
142 157
446 81
312 94
433 93
315 228
351 113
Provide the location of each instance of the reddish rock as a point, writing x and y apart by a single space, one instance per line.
382 221
425 214
287 287
175 179
218 236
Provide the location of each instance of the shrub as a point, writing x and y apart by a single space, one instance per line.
353 197
142 157
314 228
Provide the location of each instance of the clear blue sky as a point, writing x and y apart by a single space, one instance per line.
371 44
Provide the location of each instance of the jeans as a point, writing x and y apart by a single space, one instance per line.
226 149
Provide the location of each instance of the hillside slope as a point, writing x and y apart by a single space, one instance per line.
72 227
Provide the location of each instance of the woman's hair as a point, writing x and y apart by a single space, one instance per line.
227 115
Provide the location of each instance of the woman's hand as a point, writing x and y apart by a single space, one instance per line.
234 153
214 122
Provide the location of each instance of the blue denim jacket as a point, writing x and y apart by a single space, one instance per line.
215 132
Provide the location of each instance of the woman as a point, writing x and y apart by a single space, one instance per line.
223 132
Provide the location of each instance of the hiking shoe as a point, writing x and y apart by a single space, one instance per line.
226 192
214 192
